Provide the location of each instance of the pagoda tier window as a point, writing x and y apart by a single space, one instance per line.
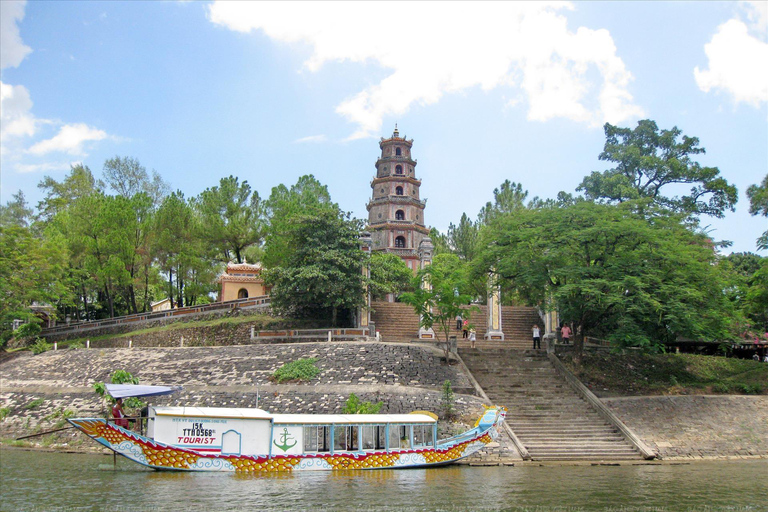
399 215
400 242
398 169
398 152
398 191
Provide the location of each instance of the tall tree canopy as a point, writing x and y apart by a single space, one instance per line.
127 177
321 279
232 216
613 273
649 163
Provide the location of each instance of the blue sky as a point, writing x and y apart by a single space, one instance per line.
488 91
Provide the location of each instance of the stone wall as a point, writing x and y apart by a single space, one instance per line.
697 426
37 390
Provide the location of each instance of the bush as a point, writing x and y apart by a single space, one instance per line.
27 330
4 412
301 369
40 346
119 377
447 401
34 403
355 406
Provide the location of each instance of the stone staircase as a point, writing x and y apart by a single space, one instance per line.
549 418
397 322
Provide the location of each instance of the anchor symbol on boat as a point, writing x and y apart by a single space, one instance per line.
284 437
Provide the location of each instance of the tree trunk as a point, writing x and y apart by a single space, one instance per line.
170 286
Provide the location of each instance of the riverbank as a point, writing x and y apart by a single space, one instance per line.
37 393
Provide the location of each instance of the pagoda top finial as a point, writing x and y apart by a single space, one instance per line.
396 133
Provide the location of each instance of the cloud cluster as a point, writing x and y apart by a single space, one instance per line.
18 125
737 55
437 49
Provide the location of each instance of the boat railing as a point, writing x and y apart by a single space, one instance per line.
464 436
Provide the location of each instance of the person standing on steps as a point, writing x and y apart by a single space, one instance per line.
566 332
465 331
472 338
536 337
458 322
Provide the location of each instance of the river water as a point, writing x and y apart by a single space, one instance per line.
38 481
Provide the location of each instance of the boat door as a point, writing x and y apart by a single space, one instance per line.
231 443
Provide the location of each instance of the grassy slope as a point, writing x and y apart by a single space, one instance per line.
675 374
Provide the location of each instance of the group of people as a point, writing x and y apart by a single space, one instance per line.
467 332
565 332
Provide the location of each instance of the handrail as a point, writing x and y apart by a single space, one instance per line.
153 315
606 413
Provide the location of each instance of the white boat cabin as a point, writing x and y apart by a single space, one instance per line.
228 431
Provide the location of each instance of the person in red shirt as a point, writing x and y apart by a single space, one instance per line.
566 333
118 414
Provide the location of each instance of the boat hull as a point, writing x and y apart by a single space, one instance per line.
155 455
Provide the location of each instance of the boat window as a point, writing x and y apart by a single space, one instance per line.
373 437
345 438
422 436
399 436
317 439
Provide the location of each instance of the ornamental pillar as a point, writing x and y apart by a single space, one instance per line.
425 258
363 317
494 331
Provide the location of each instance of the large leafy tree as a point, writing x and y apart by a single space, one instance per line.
612 273
758 205
509 197
389 274
232 215
462 238
321 279
649 163
59 196
16 212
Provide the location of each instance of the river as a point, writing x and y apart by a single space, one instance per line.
42 481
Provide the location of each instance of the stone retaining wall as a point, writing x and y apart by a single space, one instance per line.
38 390
697 426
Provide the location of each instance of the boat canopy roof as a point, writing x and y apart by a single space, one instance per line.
130 390
293 419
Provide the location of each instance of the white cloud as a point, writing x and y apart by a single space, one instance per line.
45 167
311 138
70 139
12 49
434 49
737 63
15 118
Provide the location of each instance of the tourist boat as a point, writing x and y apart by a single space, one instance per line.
254 440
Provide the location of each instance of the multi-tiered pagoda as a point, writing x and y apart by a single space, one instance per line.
395 211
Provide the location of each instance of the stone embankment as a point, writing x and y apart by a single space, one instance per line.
36 392
694 427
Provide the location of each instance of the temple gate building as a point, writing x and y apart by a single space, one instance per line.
395 211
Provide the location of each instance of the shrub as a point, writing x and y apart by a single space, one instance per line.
34 403
301 369
4 412
447 400
119 377
40 346
75 345
27 330
355 406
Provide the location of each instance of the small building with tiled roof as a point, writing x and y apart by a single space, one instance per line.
240 281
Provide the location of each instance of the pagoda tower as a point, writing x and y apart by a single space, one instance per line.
395 211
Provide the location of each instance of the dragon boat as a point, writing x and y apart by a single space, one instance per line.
254 440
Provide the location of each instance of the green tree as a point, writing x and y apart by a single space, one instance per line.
758 205
389 274
441 299
612 273
59 196
127 177
16 212
232 216
463 238
650 162
509 197
321 279
32 270
282 209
